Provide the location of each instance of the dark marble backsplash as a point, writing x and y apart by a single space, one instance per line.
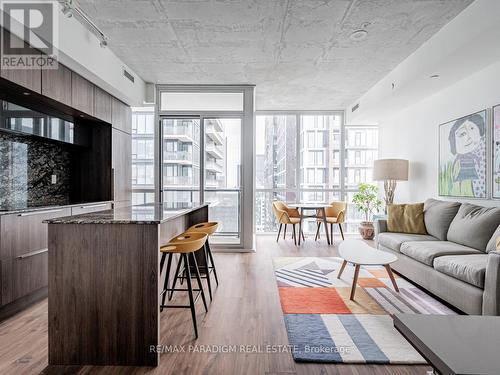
26 168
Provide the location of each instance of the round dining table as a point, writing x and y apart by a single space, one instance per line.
304 208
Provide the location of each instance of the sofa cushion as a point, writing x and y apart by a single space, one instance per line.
426 251
406 218
493 242
469 268
393 241
474 225
438 216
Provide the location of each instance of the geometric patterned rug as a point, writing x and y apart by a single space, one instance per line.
324 325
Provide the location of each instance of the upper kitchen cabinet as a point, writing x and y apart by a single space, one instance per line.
56 84
82 94
102 105
121 116
28 78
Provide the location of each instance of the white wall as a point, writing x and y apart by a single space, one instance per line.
413 133
466 56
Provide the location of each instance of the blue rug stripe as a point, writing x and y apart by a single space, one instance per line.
308 333
363 341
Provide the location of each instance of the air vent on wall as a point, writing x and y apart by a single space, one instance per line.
355 107
128 75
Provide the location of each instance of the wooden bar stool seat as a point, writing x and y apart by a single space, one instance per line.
185 245
209 228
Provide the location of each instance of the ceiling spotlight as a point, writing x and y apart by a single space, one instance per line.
104 42
358 35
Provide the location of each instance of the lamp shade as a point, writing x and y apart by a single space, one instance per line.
390 169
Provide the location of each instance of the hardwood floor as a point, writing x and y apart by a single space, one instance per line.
245 311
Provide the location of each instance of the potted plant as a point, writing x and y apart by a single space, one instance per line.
367 201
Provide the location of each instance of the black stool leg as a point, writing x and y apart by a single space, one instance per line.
175 277
198 278
212 262
190 292
167 276
162 261
207 271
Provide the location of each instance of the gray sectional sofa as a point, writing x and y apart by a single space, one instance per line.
457 260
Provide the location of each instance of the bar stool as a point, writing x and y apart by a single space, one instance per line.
185 245
208 228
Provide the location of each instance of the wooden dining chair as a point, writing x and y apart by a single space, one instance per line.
286 215
335 214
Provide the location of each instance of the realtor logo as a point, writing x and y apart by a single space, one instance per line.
32 37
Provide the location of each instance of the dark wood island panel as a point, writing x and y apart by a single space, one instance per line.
104 283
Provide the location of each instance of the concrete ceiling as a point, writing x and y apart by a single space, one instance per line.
298 53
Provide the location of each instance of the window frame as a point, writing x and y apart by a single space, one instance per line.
343 188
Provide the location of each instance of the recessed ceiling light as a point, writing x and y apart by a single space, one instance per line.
26 93
358 35
82 115
434 76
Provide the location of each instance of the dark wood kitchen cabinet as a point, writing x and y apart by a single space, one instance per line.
24 232
28 78
23 252
102 105
82 94
121 116
56 84
23 275
122 165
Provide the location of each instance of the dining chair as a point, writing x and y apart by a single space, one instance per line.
335 214
286 215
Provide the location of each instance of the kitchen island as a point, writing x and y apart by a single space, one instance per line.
104 282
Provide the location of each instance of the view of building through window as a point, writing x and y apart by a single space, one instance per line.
181 165
143 146
316 173
298 158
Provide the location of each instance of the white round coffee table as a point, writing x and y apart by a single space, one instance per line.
360 254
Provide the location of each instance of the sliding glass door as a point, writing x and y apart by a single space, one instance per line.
202 163
206 153
222 177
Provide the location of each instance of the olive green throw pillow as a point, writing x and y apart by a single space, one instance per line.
406 218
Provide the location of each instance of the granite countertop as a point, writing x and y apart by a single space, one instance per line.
12 211
150 213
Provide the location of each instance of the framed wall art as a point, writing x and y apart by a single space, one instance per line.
462 157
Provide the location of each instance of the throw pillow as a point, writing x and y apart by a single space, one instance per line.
406 218
474 225
438 216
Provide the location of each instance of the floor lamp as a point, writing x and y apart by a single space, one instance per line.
390 171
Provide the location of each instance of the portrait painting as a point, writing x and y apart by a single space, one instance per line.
462 157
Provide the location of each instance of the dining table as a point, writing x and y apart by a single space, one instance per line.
303 208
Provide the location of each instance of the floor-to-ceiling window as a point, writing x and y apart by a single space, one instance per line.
309 157
204 155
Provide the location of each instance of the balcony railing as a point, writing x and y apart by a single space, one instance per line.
214 134
215 150
213 166
178 180
173 156
183 131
